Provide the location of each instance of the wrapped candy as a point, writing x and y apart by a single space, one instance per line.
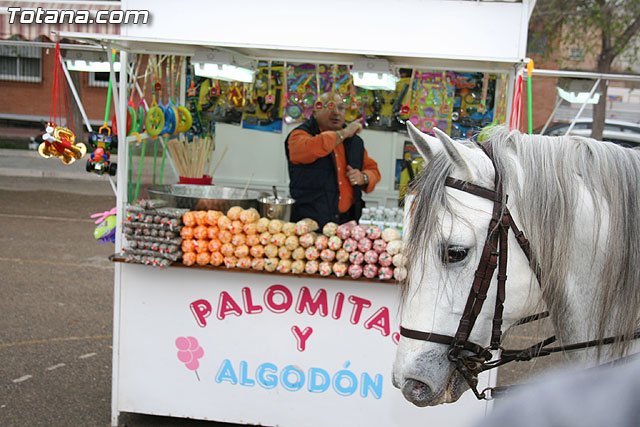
370 271
399 260
225 236
284 266
350 245
284 253
394 247
250 215
275 226
230 261
257 251
385 273
189 220
203 258
312 253
201 217
278 239
249 228
189 258
201 245
238 239
330 229
234 213
322 242
289 229
186 232
327 255
359 232
257 264
241 251
371 257
305 226
200 232
244 262
235 227
335 243
325 268
212 217
311 267
212 232
224 222
216 259
391 234
308 239
379 245
355 271
364 245
188 246
342 255
214 245
298 253
344 230
291 242
252 240
339 269
265 238
262 225
385 259
227 249
373 232
270 264
297 267
271 251
399 273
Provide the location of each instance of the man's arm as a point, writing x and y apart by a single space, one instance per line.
304 148
370 168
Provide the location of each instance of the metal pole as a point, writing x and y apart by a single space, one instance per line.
75 96
584 105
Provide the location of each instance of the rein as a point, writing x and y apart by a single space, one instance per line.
477 358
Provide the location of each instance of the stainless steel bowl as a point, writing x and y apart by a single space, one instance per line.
273 208
205 197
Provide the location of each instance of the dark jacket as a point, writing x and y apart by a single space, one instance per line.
314 186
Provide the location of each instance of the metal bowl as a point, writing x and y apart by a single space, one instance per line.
205 197
273 208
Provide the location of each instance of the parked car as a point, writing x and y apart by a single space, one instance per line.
619 132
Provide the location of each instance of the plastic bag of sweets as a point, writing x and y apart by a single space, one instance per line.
275 226
234 213
327 255
339 269
342 255
291 242
257 251
236 227
394 247
250 228
230 261
244 262
371 257
359 232
271 251
370 271
239 239
289 229
379 245
278 239
373 232
265 238
284 253
252 240
257 264
305 226
312 253
344 230
189 219
186 232
214 245
391 234
203 258
356 257
297 266
322 242
189 258
241 251
201 217
262 225
384 259
270 264
364 245
355 271
330 229
311 267
308 239
335 243
350 245
211 218
227 249
325 268
385 273
216 259
399 273
250 215
298 253
284 266
212 232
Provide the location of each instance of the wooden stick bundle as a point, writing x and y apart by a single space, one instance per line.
191 157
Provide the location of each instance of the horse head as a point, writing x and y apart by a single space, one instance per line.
445 233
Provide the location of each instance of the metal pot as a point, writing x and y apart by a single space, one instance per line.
273 208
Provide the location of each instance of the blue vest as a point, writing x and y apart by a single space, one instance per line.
314 186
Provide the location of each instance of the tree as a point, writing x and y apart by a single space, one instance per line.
605 29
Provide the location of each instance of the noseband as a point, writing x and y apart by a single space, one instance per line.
470 359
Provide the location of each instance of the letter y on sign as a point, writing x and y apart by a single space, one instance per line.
301 336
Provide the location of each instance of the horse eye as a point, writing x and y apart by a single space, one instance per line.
454 254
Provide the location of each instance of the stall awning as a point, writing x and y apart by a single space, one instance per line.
43 18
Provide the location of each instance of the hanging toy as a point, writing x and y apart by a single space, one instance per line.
269 99
59 141
106 229
154 120
184 118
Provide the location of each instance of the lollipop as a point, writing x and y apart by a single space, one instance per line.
335 243
291 242
359 232
189 219
270 264
384 259
257 264
327 255
379 245
189 258
252 240
385 273
262 225
371 257
391 234
356 257
212 231
350 245
399 273
203 258
370 271
308 239
227 249
373 232
394 247
284 266
265 238
312 253
298 253
234 213
339 269
355 271
342 255
325 268
297 267
241 251
271 251
311 267
186 232
214 245
330 229
322 242
289 229
257 251
364 244
215 258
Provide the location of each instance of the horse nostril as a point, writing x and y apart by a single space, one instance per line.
417 392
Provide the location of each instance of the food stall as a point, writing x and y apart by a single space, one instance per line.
276 348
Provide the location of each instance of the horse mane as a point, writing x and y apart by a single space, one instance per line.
546 188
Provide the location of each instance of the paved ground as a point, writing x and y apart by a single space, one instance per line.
57 301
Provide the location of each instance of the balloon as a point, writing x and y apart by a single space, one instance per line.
193 365
193 343
198 353
185 356
182 343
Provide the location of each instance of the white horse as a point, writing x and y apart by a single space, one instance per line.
576 200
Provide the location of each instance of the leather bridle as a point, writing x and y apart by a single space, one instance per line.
470 359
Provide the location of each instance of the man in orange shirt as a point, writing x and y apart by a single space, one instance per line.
329 167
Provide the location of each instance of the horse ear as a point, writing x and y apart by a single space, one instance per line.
426 145
455 151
